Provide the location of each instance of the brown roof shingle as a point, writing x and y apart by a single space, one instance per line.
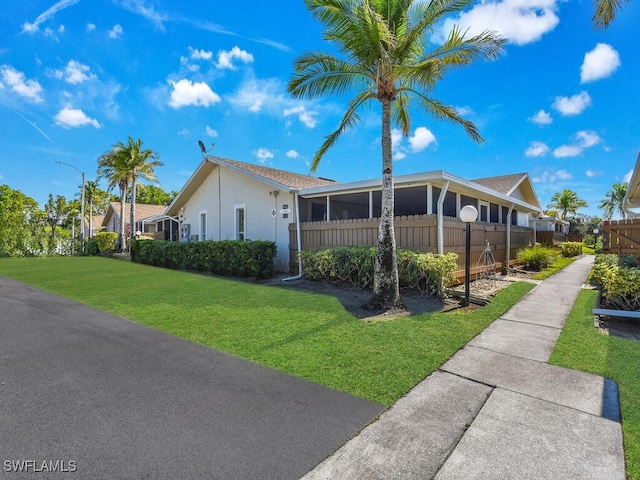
288 179
502 183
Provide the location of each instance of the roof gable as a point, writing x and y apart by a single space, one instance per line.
281 179
517 185
143 211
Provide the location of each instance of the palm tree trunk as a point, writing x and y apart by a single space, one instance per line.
386 292
132 233
91 219
123 198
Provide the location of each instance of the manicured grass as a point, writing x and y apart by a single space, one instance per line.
588 250
306 334
558 264
581 347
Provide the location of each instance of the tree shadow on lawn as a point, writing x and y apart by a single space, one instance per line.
354 299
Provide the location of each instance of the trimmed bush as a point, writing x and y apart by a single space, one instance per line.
106 242
91 247
234 258
612 259
571 249
537 257
426 272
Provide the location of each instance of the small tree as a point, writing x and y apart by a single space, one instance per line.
614 203
565 203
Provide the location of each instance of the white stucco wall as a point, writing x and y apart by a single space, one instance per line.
222 191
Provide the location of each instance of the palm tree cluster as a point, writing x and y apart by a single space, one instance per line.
386 57
124 166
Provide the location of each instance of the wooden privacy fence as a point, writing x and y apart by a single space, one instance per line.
621 236
556 238
417 233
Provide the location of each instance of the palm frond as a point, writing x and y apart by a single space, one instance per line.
605 12
349 119
317 74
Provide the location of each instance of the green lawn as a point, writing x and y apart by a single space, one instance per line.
581 347
308 335
558 264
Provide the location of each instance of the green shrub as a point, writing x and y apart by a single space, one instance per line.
91 247
537 257
619 285
612 259
426 272
106 242
571 249
235 258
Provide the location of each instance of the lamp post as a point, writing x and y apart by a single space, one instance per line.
81 202
595 237
468 214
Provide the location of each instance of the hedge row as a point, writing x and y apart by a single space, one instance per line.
618 277
427 272
234 258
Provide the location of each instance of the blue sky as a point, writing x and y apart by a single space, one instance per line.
76 76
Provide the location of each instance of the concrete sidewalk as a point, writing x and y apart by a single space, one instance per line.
496 409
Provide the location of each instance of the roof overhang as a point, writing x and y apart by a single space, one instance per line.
632 198
436 178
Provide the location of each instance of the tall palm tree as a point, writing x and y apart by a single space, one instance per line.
615 201
112 165
387 58
91 193
605 11
141 165
565 203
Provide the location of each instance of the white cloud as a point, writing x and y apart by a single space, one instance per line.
24 87
399 155
185 92
226 58
565 151
308 118
116 31
627 177
587 138
599 63
552 177
571 106
200 54
263 154
74 117
541 118
463 111
49 13
594 173
521 21
581 140
293 154
211 132
536 149
75 72
254 94
91 27
421 139
185 132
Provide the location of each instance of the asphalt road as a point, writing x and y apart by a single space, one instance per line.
108 398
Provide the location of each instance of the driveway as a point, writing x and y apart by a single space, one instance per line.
109 398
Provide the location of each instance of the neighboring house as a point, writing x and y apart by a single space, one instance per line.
226 199
111 220
551 224
96 224
229 200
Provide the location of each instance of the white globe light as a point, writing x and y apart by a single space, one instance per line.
468 214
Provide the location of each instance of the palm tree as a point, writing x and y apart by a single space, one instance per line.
566 203
112 165
615 201
605 11
387 58
124 165
141 165
91 193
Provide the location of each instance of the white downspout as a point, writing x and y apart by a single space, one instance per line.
508 253
443 193
299 242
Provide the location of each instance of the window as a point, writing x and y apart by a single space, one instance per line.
240 222
483 214
493 213
203 226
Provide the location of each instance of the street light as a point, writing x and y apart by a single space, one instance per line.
468 214
81 201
